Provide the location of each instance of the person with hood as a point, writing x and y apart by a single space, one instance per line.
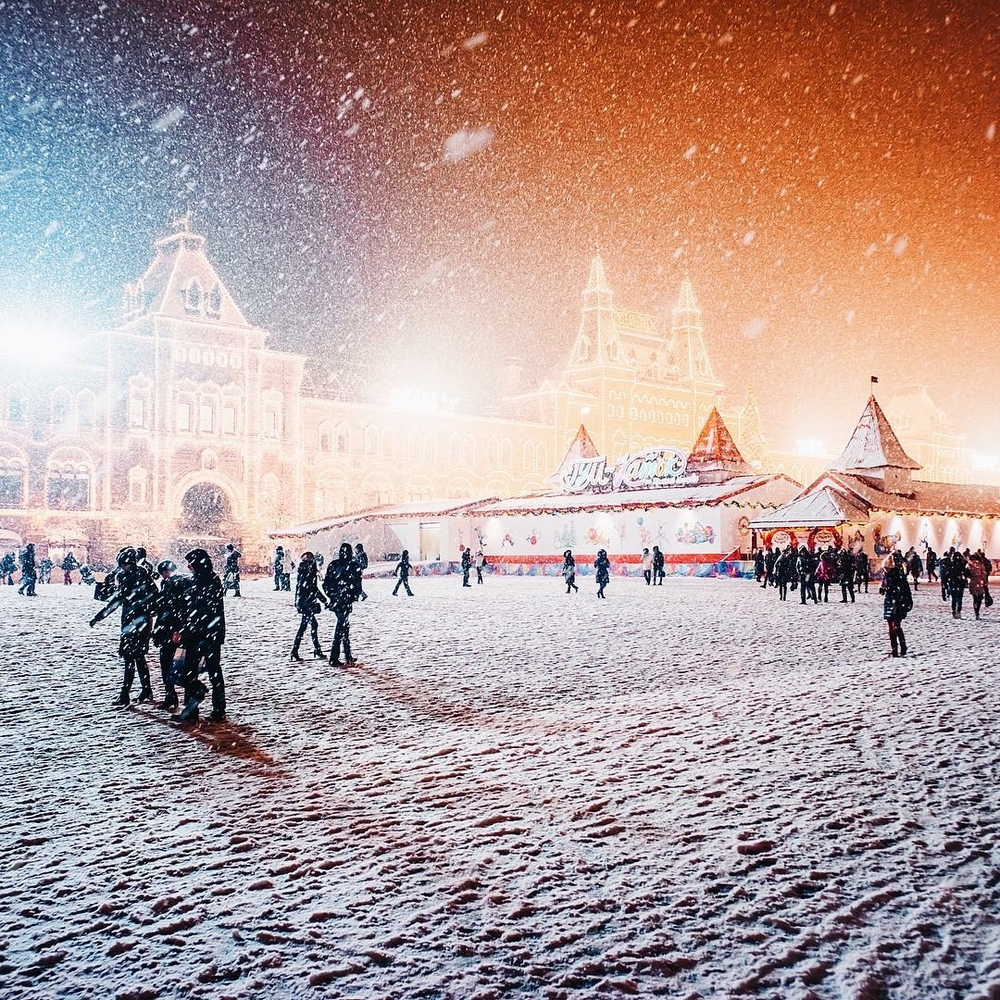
647 566
466 566
69 564
202 637
361 558
916 567
480 563
402 570
143 562
602 571
658 571
45 570
932 561
784 570
279 566
847 568
7 567
29 571
231 571
958 576
135 594
805 568
169 611
770 560
309 599
898 602
977 580
569 571
863 572
342 584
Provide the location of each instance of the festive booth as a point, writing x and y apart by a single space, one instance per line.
869 499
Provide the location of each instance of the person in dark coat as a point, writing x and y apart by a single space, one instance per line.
45 570
361 558
202 637
402 570
169 611
805 568
759 568
898 602
958 577
916 567
863 571
466 566
602 571
69 564
342 584
569 571
480 563
944 569
826 573
29 571
135 594
847 568
231 571
7 567
932 561
770 561
279 566
309 599
784 570
143 562
658 571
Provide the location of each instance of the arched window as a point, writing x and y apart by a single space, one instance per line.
454 450
542 459
17 407
492 453
387 443
192 299
68 476
468 455
370 440
12 472
528 457
506 454
138 481
213 302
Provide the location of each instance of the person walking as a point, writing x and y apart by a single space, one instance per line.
279 566
143 562
958 575
846 568
402 570
898 602
29 571
916 567
784 569
805 568
977 581
342 584
202 637
309 599
466 566
361 558
569 571
135 594
944 570
8 565
826 573
231 571
863 571
168 609
770 561
45 570
480 563
931 561
759 567
658 571
647 566
602 571
69 564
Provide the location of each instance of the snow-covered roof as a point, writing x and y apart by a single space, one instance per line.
715 451
744 491
414 509
824 508
873 445
582 446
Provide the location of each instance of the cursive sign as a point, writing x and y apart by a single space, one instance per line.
651 467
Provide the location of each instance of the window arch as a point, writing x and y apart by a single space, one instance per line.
370 440
492 453
324 437
60 407
213 301
68 476
387 443
542 457
528 457
13 468
192 297
343 439
506 454
468 453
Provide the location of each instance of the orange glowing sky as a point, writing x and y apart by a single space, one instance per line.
825 173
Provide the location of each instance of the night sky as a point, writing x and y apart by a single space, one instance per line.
410 191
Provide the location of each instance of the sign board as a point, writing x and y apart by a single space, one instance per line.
644 470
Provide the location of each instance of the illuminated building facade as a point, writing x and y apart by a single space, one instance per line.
181 425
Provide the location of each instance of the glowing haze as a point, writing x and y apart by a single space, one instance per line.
410 188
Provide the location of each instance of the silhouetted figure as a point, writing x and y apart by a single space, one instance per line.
168 627
69 564
898 602
658 571
279 566
309 599
231 571
202 637
466 567
143 563
45 570
8 565
569 571
847 569
361 558
863 570
602 571
402 570
805 569
480 563
135 594
29 571
342 584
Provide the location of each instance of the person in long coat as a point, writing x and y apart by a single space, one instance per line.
169 609
402 570
135 594
647 566
602 571
361 558
29 571
658 571
569 571
466 566
202 637
342 584
977 581
898 602
309 599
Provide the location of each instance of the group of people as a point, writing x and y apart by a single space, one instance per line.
35 571
812 573
184 617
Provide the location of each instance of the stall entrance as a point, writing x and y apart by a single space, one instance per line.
430 542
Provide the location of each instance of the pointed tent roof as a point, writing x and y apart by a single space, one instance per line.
179 263
686 301
873 445
597 281
826 508
582 446
715 452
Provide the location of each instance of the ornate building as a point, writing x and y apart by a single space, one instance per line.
182 425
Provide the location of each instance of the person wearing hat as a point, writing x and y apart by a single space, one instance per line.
231 571
342 584
569 571
602 571
135 594
169 611
202 637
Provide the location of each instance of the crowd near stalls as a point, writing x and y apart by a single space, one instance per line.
695 509
868 500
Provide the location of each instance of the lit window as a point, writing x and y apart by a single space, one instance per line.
184 416
206 418
137 412
227 419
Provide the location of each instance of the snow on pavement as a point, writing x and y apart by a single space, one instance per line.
689 791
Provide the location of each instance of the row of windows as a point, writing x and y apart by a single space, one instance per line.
64 409
207 356
63 490
651 416
201 415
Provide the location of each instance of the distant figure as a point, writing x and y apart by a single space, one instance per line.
135 594
279 566
69 564
342 584
45 570
361 558
759 569
647 566
479 563
916 567
958 576
805 569
202 638
931 561
7 567
658 572
466 566
569 571
602 571
402 570
29 571
847 570
231 571
309 599
977 580
770 561
944 569
784 571
897 604
168 627
863 572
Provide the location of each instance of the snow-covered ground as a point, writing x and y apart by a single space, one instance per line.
690 791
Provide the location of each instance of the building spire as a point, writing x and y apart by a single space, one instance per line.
687 347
